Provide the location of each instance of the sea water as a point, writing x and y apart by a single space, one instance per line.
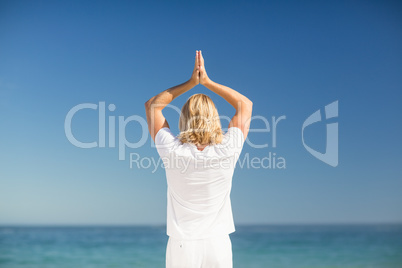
276 246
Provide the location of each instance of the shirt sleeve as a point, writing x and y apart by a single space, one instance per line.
164 141
235 139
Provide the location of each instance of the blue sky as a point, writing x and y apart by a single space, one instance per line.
289 58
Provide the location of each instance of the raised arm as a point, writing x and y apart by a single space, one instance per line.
241 103
155 105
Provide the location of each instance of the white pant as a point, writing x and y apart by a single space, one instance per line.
213 252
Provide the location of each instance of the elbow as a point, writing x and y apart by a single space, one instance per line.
248 105
244 104
148 103
247 102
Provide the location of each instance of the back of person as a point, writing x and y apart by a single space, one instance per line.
199 184
199 165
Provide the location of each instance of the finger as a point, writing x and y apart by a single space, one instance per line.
196 59
201 58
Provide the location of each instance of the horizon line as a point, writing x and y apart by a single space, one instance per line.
164 225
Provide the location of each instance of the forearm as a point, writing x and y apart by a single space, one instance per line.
235 98
168 95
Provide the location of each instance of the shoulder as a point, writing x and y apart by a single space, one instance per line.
165 140
234 134
233 139
164 133
235 131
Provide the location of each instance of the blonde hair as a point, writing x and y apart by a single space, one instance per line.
199 121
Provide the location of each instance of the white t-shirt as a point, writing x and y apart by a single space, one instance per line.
199 184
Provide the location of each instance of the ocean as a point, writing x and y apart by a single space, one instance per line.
276 246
